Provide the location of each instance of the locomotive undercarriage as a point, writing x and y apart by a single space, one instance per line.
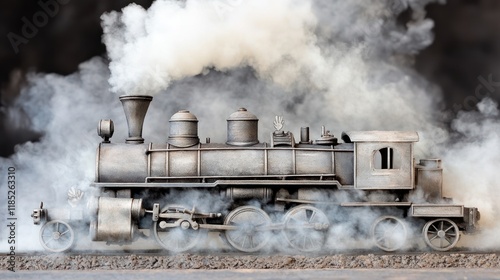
301 217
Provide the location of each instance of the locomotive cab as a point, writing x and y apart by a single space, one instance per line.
382 159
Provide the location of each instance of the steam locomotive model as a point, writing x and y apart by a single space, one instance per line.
249 191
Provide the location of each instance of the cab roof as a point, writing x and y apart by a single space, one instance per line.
379 136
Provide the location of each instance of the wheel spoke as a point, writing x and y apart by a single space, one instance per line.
250 241
49 241
313 215
446 230
448 240
245 238
396 227
434 237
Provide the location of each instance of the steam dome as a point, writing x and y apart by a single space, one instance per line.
183 129
242 128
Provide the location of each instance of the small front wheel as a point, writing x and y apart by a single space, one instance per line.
56 236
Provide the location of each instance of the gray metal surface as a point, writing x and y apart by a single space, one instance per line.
436 210
116 219
126 163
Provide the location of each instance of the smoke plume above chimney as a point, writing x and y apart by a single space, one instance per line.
174 39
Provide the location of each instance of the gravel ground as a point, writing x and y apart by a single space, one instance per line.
189 261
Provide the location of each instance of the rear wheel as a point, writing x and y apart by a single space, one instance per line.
441 234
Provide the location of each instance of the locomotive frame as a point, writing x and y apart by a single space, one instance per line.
285 177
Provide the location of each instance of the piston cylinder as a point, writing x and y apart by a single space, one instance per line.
242 128
116 219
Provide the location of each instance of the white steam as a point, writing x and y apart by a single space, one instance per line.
174 40
344 64
472 162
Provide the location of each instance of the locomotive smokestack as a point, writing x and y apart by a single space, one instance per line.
135 107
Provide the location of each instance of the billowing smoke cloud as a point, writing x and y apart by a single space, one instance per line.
174 40
471 161
344 64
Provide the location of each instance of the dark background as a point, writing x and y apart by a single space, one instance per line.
466 46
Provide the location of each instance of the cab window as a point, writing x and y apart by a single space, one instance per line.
386 158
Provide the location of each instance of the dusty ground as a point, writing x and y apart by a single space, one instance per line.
259 274
189 261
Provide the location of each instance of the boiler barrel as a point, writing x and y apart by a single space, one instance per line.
121 163
131 163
